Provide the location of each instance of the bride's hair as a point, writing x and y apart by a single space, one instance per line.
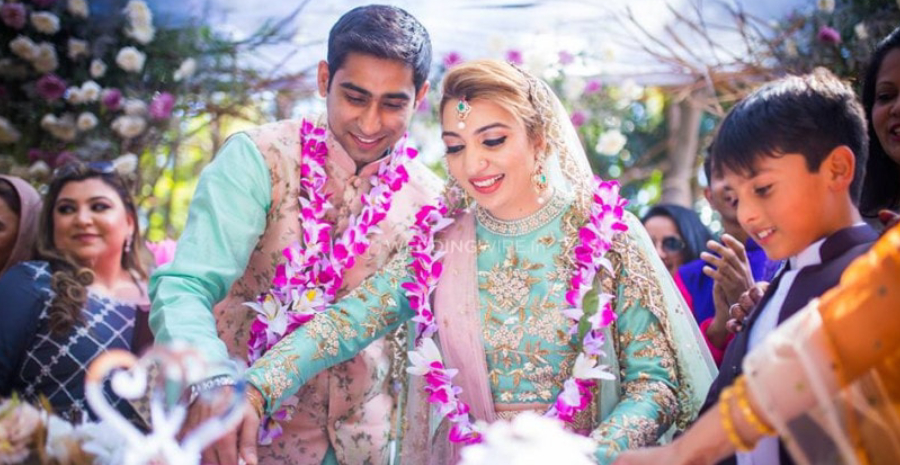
511 88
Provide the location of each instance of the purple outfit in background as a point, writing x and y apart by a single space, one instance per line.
700 286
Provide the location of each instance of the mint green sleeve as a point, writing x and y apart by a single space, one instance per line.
225 220
648 402
374 308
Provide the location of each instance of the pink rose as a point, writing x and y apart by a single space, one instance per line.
592 87
161 106
578 118
13 15
514 57
111 98
829 35
452 59
50 87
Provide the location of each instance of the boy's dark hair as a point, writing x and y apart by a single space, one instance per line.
810 115
382 31
880 188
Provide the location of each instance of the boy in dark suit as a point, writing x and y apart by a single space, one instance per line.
794 153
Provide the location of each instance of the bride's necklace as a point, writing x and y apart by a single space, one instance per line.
595 239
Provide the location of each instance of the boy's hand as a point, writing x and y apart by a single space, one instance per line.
730 269
745 306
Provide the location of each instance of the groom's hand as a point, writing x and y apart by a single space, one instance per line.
223 451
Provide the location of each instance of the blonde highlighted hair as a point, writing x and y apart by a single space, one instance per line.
499 82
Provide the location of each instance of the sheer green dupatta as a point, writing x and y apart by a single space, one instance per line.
696 369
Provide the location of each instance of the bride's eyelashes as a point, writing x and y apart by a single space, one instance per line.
494 142
451 149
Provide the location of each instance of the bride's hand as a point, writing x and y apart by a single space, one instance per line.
248 430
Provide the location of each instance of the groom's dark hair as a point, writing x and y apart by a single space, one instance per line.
382 31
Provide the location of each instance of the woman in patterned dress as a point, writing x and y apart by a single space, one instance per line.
80 296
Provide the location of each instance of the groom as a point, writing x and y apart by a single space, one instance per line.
245 212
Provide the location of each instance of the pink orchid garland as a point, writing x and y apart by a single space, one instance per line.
605 221
307 282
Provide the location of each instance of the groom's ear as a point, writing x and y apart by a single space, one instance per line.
322 76
420 95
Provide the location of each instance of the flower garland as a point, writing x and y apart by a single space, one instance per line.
604 222
307 282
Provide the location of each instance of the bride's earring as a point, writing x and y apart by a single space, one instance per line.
539 179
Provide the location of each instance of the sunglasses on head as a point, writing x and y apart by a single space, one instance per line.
96 167
673 244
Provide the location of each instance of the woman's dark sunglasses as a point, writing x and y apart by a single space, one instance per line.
673 244
98 167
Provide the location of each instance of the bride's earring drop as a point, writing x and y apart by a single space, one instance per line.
539 179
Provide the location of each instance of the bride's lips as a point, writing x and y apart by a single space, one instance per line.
487 184
366 143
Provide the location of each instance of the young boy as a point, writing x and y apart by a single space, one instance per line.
793 152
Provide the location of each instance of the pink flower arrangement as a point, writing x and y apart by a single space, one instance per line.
578 118
829 35
596 236
161 106
452 59
50 87
592 87
566 58
514 57
13 15
111 99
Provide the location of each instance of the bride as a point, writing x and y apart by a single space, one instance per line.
542 295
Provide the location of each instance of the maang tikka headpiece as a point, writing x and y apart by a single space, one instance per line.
462 112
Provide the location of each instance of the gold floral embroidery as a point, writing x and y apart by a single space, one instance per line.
509 282
661 394
636 431
639 286
275 373
328 332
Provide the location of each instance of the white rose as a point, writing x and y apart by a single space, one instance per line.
826 6
75 96
573 87
77 48
86 121
45 23
862 33
129 126
59 438
134 107
98 69
46 60
48 121
138 13
629 91
39 169
130 59
24 48
61 128
90 90
187 69
8 133
611 143
126 163
143 34
78 8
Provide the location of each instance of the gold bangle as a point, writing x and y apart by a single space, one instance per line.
256 400
728 422
749 414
